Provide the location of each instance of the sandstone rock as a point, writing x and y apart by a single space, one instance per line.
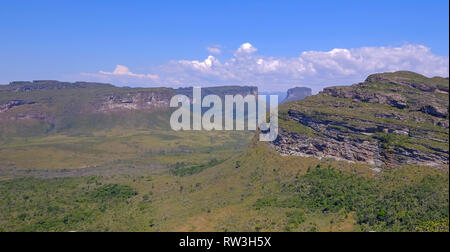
348 123
435 109
143 101
11 104
297 93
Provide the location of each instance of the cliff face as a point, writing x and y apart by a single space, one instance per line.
128 101
53 99
220 91
390 120
46 106
298 93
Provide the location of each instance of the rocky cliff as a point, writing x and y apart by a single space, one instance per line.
23 100
42 107
298 93
390 120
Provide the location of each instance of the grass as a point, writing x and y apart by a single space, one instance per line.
182 169
393 129
377 207
294 127
253 190
59 204
133 147
129 173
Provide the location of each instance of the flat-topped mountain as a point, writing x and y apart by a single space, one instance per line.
220 91
297 93
24 86
390 120
42 107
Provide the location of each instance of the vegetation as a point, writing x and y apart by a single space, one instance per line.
113 192
59 204
404 113
127 172
434 226
182 169
264 192
377 207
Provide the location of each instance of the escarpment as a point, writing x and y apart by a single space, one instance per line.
390 120
45 107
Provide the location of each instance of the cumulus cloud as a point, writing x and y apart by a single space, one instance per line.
314 69
203 66
121 75
124 71
246 48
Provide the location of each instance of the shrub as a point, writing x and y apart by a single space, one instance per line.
113 192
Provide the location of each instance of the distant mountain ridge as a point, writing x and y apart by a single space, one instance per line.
19 86
297 93
43 107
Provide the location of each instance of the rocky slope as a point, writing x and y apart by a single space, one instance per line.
390 120
297 93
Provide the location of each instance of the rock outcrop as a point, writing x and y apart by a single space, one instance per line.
53 106
142 101
5 107
297 93
389 120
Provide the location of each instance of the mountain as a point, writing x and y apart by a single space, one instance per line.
389 120
297 93
94 157
220 91
281 96
48 107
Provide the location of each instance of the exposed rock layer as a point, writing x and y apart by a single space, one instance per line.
298 93
389 120
47 106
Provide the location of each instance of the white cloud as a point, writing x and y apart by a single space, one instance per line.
315 69
124 71
246 48
214 50
203 66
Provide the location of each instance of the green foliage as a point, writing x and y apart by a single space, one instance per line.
57 204
295 218
329 190
181 169
265 202
386 141
377 206
406 207
289 125
434 226
113 192
224 198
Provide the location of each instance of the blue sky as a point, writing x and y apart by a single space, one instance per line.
155 43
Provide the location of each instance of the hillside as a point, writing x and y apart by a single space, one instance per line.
110 163
390 120
41 108
254 189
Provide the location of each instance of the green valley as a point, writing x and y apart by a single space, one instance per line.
93 157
